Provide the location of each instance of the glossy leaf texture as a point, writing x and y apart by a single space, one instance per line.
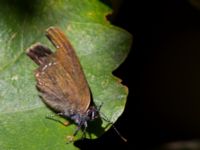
100 46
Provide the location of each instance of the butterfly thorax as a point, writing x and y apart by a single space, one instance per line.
81 119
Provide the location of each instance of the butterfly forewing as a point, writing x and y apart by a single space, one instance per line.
60 79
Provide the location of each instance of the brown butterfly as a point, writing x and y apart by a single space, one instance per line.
61 80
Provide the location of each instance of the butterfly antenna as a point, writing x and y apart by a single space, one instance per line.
107 120
123 138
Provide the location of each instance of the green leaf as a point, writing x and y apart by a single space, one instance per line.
100 46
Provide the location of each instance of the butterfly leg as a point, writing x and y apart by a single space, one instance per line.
52 117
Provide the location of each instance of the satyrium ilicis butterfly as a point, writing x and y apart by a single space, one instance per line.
61 80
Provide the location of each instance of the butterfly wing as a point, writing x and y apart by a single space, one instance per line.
39 53
60 77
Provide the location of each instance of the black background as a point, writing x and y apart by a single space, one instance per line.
162 72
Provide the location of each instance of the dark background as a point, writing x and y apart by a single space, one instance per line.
162 72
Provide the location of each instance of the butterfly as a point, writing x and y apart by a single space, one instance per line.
61 81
